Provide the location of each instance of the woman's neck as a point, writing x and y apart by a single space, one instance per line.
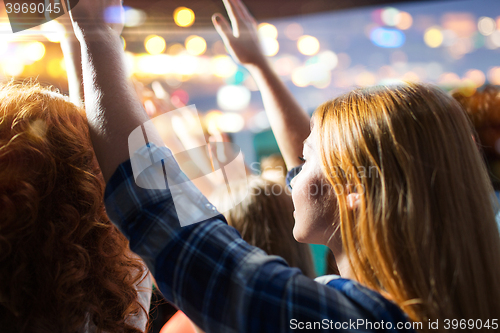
344 266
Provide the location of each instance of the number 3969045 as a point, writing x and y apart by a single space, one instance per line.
32 8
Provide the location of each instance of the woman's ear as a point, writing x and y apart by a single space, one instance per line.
353 200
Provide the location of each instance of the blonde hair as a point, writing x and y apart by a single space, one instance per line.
424 234
265 220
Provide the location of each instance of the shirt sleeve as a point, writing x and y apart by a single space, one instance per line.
219 281
291 175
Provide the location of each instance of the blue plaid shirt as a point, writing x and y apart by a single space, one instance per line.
222 283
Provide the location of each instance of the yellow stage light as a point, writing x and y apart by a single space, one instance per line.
184 17
308 45
155 44
196 45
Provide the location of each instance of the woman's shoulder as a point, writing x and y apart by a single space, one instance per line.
380 308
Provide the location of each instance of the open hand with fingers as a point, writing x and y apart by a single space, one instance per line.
289 122
241 37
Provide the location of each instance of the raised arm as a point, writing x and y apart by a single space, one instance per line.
113 109
72 59
289 122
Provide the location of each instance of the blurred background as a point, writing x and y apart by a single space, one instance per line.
320 49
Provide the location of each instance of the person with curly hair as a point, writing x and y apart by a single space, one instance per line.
393 168
483 109
63 266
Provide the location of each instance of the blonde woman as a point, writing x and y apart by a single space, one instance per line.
265 220
418 233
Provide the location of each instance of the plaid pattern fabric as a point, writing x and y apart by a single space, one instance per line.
222 283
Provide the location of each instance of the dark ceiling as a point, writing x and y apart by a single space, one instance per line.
261 9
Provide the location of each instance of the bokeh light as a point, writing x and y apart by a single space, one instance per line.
449 38
159 91
494 40
114 14
13 67
230 122
405 21
313 73
196 45
324 82
308 45
210 119
179 97
129 63
134 17
159 64
449 80
55 68
175 49
476 76
223 66
267 30
284 65
185 64
365 78
390 16
387 38
411 77
329 59
233 98
53 31
270 46
486 25
299 77
433 37
184 17
461 47
155 44
494 75
34 51
293 31
377 16
462 24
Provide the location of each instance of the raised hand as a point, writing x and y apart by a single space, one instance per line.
289 122
241 40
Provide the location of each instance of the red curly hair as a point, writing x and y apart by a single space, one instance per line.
62 262
483 109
